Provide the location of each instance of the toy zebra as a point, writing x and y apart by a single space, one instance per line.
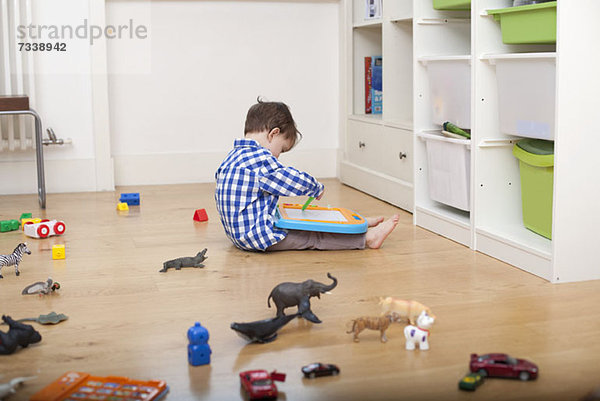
14 258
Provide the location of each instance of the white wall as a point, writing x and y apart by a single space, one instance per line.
63 99
175 121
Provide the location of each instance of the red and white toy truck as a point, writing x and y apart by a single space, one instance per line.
44 228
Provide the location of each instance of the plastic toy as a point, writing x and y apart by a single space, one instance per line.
285 295
14 258
259 383
50 318
408 310
470 382
82 387
10 388
308 202
24 216
19 334
58 251
9 225
193 261
317 218
44 229
198 349
122 207
29 220
200 215
132 199
320 369
503 365
41 287
380 323
419 334
262 331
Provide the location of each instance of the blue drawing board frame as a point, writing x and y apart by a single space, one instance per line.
316 218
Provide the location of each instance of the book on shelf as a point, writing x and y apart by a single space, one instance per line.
368 75
377 85
373 9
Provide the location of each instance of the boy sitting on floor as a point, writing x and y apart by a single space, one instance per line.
251 179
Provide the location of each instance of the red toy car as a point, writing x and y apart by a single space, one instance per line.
502 365
259 383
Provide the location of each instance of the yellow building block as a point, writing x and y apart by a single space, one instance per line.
33 220
122 206
58 251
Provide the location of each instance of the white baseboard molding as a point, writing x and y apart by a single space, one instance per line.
20 177
182 168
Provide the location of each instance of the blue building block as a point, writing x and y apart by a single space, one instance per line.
198 350
132 199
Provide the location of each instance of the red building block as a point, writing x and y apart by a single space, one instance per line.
200 215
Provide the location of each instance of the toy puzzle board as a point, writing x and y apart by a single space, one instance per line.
317 218
78 386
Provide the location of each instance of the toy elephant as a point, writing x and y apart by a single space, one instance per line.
298 294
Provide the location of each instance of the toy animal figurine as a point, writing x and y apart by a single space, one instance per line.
14 258
10 388
408 310
380 323
50 318
262 331
419 334
195 261
18 334
41 287
298 294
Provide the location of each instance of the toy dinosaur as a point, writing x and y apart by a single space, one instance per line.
298 294
18 334
9 388
195 261
262 331
41 287
50 318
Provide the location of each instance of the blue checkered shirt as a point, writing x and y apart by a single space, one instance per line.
249 183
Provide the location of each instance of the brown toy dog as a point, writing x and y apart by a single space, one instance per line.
401 309
380 323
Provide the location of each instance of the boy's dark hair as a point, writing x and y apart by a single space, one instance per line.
265 116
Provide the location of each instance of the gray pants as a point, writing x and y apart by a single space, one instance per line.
298 240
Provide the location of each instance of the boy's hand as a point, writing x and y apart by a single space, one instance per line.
320 195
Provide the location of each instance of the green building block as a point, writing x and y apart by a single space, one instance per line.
25 216
9 225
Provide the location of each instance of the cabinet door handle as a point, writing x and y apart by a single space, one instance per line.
402 155
361 144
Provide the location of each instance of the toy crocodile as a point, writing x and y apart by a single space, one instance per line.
195 261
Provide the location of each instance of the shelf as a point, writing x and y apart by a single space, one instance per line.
375 23
491 58
405 125
367 118
401 18
441 21
426 59
446 221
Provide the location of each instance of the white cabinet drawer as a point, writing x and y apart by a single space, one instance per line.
386 150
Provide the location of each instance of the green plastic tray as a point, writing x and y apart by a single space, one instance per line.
529 24
537 181
452 4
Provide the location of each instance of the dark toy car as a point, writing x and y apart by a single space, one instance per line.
259 383
502 365
320 369
470 382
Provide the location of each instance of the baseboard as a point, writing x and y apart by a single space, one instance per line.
20 177
181 168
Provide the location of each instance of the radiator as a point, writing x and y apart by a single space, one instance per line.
16 75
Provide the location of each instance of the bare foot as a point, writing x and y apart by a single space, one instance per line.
376 236
373 221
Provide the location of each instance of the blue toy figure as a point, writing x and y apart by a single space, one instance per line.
132 199
198 349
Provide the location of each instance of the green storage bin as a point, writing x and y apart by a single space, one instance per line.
533 23
536 164
452 4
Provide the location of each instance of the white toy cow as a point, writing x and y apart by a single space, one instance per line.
419 334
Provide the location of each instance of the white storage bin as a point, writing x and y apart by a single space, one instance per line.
526 96
450 90
449 170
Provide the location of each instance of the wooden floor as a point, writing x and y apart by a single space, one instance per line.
127 319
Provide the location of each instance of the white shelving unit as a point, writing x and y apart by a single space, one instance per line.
411 36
